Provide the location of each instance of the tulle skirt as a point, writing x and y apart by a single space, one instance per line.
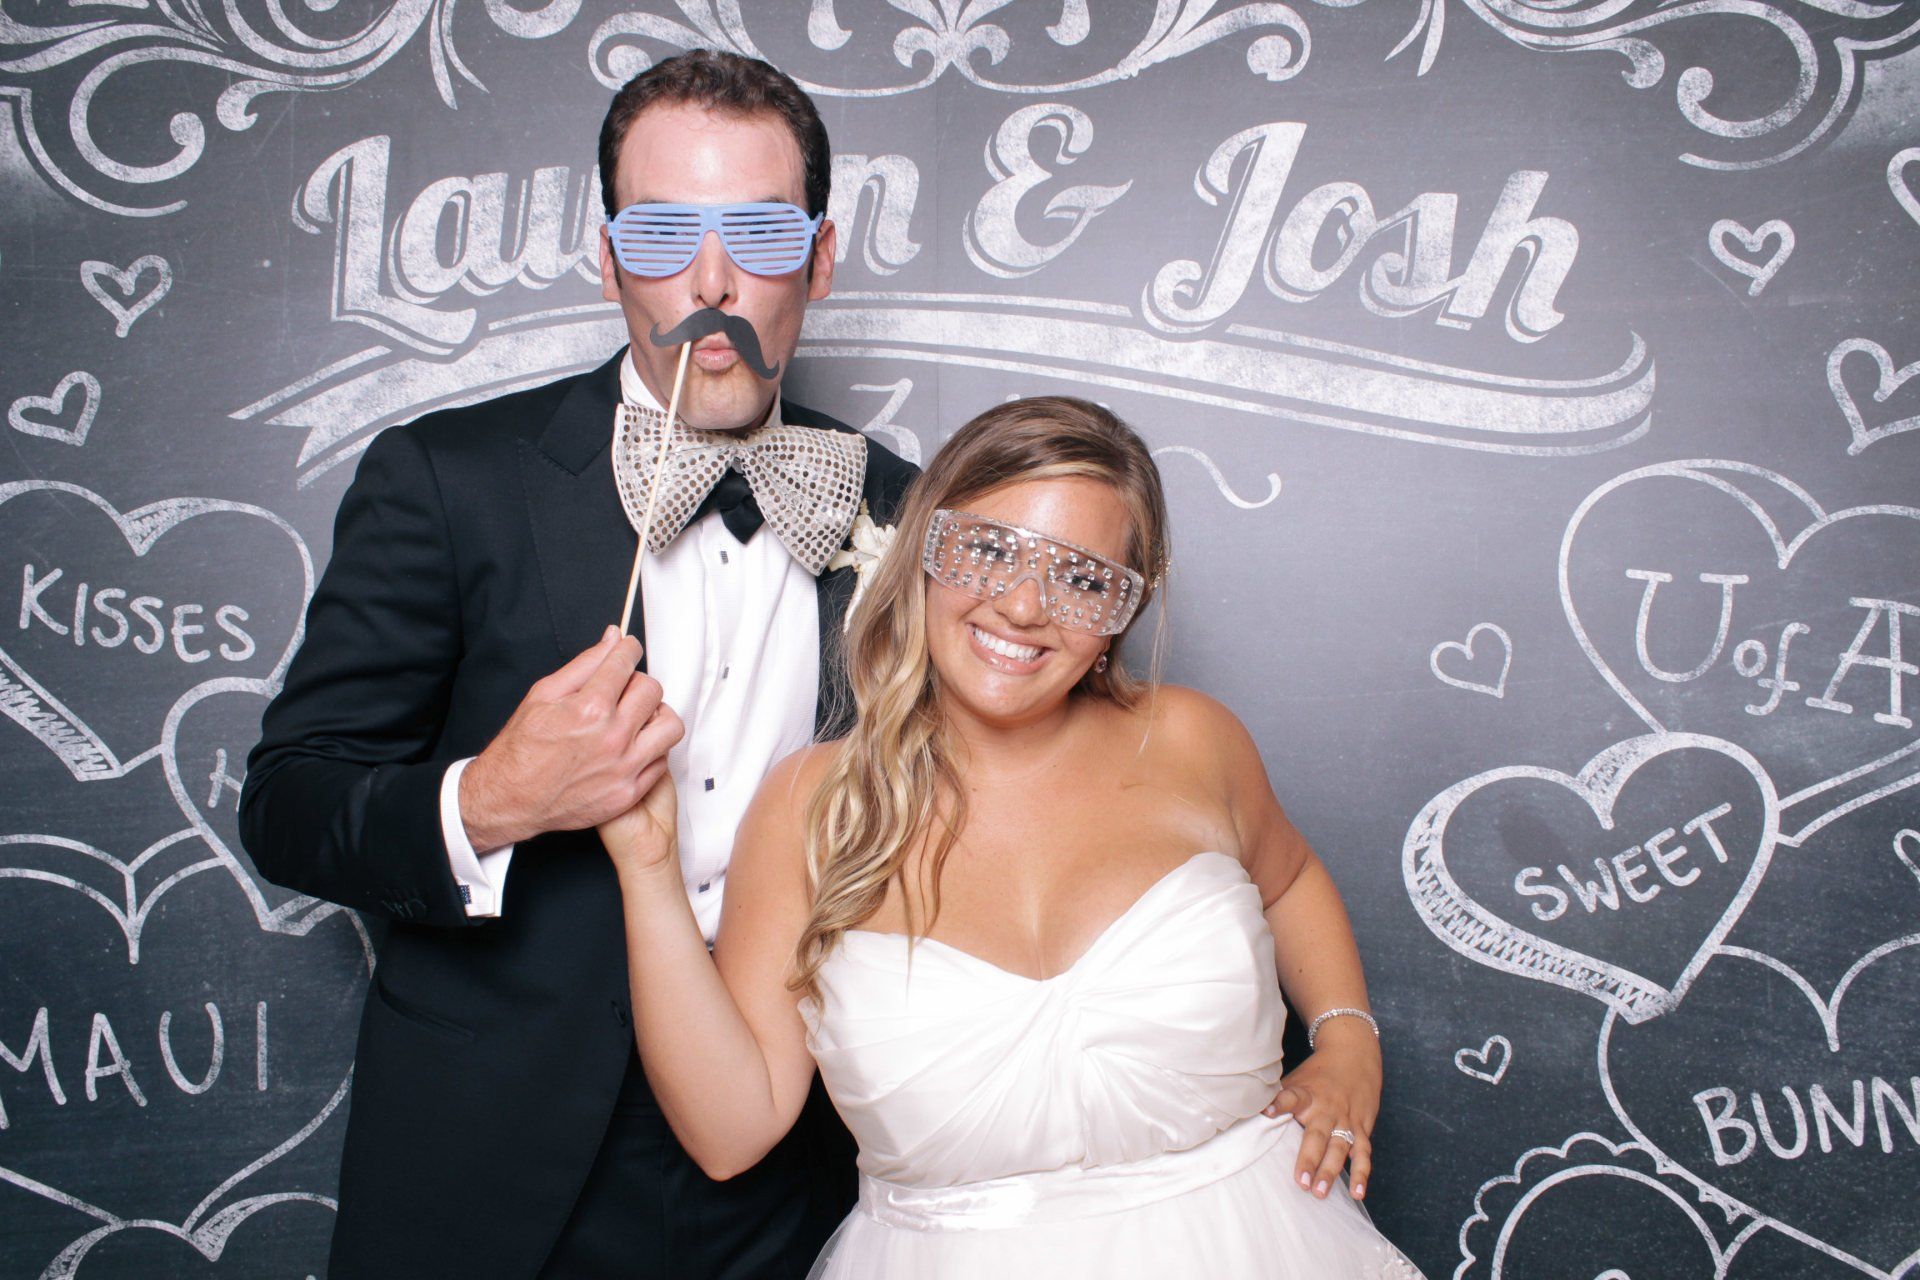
1226 1210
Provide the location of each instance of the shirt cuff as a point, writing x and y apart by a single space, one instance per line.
482 877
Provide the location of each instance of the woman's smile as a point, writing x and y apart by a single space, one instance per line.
1006 655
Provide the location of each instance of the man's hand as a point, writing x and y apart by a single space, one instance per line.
586 743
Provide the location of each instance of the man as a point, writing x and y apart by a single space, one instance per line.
461 716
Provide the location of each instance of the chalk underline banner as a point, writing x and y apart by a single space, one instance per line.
1272 374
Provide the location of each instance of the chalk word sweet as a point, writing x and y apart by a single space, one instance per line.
1638 874
1552 922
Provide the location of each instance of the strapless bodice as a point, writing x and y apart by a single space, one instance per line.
1164 1033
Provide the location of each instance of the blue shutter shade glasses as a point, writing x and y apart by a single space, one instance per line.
658 240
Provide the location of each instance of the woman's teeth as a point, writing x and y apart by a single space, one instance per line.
1006 648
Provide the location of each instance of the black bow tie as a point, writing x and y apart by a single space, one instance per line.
733 498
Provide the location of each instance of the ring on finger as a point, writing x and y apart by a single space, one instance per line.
1345 1135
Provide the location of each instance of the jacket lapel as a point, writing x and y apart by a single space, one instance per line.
581 536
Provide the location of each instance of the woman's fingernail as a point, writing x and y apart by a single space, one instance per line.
1305 1180
1359 1190
1320 1188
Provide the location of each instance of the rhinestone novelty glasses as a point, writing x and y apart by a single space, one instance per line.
986 558
658 240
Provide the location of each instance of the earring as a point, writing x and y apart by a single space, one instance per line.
1100 665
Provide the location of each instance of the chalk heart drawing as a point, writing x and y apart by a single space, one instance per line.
1897 181
48 417
224 586
1558 1213
1865 893
1456 652
1489 1062
116 1024
127 284
203 749
1472 848
1722 598
1906 847
1747 259
1890 381
1823 1167
283 1234
1766 1254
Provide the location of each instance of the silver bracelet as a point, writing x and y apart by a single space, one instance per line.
1313 1028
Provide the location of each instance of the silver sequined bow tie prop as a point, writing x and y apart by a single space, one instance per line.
806 480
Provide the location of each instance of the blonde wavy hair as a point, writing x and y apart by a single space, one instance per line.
893 782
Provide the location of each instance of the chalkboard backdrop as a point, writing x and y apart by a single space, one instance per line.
1533 382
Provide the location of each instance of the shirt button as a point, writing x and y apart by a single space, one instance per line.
709 784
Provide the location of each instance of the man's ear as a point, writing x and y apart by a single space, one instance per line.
609 268
820 265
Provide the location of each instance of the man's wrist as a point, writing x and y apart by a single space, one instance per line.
486 829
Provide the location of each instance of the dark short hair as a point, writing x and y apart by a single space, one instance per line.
724 82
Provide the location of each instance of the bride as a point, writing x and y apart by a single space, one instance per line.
1031 919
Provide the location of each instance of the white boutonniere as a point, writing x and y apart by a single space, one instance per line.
866 543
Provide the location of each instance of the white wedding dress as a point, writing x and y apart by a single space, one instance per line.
1103 1123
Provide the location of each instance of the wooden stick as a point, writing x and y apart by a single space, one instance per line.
653 491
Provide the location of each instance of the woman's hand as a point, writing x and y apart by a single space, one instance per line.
645 837
1336 1088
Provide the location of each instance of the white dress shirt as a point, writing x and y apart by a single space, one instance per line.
733 636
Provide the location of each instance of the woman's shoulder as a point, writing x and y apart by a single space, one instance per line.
1195 748
1195 723
1200 735
790 784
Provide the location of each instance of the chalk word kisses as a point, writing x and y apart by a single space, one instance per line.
109 617
106 1067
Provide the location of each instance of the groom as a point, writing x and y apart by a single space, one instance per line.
458 719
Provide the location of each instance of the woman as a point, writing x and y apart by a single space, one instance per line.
1027 918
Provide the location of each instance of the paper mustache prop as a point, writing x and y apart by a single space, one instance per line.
738 329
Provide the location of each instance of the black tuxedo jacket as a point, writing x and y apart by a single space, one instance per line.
477 550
